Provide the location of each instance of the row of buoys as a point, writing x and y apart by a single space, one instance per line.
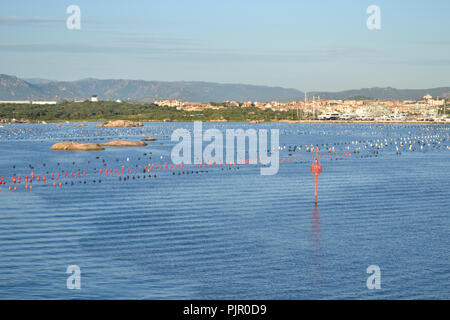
158 167
151 167
51 132
338 150
422 143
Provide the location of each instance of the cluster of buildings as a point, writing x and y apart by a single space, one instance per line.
190 106
425 109
27 102
94 98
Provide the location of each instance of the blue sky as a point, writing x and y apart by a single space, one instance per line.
307 45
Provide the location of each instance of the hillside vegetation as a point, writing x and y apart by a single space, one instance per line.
109 110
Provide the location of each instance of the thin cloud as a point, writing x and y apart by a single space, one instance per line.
14 20
20 19
173 48
137 39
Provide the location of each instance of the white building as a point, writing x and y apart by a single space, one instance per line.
436 103
168 103
17 101
94 98
43 102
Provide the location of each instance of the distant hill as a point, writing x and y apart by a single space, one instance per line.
36 80
359 98
384 93
13 88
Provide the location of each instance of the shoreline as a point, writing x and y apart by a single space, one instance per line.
367 121
250 122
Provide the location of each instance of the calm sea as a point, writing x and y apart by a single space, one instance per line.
226 232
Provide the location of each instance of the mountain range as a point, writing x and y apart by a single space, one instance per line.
14 88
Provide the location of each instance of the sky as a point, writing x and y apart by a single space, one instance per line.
307 45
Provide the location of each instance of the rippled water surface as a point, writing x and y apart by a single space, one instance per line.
226 232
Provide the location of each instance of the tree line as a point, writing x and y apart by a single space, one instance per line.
110 110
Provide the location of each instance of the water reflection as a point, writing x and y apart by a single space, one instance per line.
317 268
316 231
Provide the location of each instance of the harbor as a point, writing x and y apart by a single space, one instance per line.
141 227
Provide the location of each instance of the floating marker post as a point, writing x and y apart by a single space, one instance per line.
316 169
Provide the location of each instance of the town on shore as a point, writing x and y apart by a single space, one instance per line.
427 109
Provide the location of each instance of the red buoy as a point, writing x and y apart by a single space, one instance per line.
316 169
